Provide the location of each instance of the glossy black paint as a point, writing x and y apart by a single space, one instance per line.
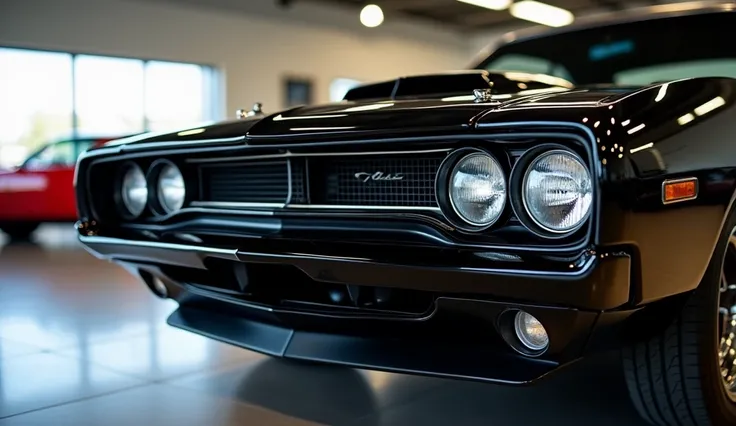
637 253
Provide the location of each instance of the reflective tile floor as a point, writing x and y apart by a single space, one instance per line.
83 343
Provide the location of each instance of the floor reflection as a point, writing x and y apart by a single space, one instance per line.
313 392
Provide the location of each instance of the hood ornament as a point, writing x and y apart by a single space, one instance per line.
257 109
483 95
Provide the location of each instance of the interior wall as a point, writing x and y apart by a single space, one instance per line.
254 51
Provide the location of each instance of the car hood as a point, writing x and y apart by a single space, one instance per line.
449 114
348 119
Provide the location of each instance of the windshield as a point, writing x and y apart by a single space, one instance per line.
636 53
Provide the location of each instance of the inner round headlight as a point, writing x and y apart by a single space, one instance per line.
478 189
170 189
558 191
133 190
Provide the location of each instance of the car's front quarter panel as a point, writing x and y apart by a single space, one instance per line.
673 131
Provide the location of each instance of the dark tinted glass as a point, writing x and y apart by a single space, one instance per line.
693 46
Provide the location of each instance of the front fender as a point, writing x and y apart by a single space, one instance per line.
684 128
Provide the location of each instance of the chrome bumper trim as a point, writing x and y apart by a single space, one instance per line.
157 252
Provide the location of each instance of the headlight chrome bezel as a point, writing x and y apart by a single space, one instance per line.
443 189
120 195
157 204
519 176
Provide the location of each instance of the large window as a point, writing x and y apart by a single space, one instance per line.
47 96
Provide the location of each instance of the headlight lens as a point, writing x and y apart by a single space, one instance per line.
134 190
478 189
558 191
171 191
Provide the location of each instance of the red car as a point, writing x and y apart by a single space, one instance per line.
42 188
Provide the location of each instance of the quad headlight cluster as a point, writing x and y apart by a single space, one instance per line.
550 189
162 189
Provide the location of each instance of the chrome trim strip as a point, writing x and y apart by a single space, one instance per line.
169 144
289 154
222 210
244 256
288 181
349 207
150 244
234 205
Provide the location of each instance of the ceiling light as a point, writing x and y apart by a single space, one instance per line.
542 13
489 4
371 16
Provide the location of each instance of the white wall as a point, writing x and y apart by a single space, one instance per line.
254 50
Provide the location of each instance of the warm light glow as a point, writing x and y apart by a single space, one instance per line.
710 106
635 129
541 78
680 190
489 4
640 148
190 132
685 119
541 13
371 16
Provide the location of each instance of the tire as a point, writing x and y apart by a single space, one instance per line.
19 231
675 377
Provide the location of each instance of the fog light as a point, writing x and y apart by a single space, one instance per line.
530 332
159 287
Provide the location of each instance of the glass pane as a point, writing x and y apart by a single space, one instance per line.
58 154
35 101
109 95
676 71
174 95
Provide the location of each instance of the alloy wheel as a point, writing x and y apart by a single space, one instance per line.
727 319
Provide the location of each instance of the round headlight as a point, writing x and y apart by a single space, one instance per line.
170 188
558 191
478 189
133 190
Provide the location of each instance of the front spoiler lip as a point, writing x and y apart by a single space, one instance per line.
592 283
392 355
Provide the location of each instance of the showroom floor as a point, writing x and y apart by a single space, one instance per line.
83 343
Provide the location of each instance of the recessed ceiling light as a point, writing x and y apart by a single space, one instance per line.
371 16
489 4
542 13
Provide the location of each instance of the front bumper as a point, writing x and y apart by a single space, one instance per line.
581 302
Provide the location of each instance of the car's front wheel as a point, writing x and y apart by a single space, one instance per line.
19 231
687 375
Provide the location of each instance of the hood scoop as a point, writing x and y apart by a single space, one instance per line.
453 83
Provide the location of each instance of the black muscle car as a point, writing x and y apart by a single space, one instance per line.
572 194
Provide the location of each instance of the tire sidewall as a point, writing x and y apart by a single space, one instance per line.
706 299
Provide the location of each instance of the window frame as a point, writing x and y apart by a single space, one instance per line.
214 94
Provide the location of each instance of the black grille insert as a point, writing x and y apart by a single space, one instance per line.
405 180
385 180
252 182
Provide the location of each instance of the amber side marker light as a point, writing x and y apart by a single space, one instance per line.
677 190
